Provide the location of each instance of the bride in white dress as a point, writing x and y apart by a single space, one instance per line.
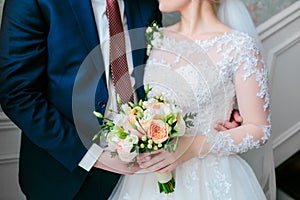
205 66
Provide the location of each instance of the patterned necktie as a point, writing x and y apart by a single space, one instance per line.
118 60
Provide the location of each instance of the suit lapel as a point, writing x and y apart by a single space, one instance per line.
84 15
135 22
133 14
83 12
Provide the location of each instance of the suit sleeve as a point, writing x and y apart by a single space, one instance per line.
23 80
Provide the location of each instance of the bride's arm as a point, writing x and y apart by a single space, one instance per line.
250 77
253 100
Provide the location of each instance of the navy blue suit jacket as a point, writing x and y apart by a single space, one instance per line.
42 46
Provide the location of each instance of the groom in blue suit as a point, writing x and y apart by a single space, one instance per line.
43 43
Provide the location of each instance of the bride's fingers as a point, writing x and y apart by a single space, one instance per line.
144 157
168 168
157 166
153 161
160 161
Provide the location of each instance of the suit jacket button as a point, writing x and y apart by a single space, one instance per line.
101 104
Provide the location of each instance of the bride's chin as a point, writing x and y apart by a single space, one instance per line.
162 8
167 7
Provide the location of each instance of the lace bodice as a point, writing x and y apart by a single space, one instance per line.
206 77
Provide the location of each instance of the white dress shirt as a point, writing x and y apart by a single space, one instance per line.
99 8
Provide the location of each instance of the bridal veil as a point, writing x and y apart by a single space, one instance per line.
235 14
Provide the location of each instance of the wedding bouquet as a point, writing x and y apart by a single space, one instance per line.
147 126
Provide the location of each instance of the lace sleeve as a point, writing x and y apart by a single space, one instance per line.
251 85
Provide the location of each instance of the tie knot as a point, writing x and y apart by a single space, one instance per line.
114 17
112 8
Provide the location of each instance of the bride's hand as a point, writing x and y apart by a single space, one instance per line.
164 161
106 162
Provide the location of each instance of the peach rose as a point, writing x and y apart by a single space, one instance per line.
129 128
158 131
156 105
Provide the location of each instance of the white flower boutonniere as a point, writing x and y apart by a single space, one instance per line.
152 36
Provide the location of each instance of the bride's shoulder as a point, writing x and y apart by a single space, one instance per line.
242 39
241 36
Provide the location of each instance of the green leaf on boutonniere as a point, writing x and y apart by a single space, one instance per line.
152 32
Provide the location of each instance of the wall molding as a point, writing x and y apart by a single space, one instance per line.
279 35
279 21
287 148
5 123
286 135
9 158
280 49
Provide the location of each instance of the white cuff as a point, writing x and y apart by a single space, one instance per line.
90 157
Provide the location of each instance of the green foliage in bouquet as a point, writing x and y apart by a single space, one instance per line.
143 127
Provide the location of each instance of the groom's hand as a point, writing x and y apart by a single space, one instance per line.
114 164
235 121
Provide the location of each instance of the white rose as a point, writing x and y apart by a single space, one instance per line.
149 114
125 146
130 140
112 141
166 110
180 125
176 110
113 137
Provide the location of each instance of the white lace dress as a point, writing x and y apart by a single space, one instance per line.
207 76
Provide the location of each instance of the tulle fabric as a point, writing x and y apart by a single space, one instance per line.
211 178
235 14
215 175
202 77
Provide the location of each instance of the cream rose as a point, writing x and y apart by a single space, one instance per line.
124 147
180 125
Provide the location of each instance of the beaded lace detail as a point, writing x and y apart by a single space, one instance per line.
206 76
219 186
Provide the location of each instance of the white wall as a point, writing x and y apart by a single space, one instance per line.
281 40
9 153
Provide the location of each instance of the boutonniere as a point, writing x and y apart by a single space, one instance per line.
152 36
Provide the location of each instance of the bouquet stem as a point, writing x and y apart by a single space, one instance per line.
166 182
